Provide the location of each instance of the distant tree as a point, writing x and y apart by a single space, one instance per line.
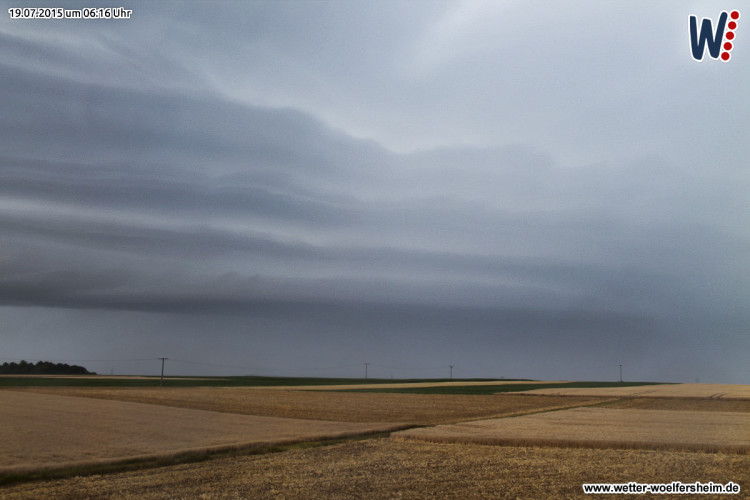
42 368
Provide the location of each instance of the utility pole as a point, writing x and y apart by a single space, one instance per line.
366 365
620 373
161 381
451 371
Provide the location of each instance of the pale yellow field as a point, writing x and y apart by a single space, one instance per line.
406 385
602 427
389 469
656 440
715 391
40 431
339 387
684 404
419 409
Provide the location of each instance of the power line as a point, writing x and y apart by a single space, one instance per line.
161 381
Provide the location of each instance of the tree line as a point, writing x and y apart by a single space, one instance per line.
42 368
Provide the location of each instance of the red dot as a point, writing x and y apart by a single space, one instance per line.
729 35
735 14
728 46
732 25
725 56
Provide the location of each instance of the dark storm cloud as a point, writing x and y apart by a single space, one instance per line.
202 163
84 122
172 167
170 190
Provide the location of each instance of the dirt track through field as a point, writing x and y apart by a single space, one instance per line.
602 428
48 431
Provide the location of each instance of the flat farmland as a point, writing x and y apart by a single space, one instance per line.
684 404
416 385
41 431
705 391
421 409
602 428
467 446
386 469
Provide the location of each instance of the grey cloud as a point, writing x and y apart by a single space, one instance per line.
170 190
224 179
556 214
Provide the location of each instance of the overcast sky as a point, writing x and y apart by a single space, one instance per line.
519 189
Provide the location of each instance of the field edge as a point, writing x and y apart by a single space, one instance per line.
9 476
572 443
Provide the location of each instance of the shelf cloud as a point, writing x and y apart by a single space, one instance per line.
294 188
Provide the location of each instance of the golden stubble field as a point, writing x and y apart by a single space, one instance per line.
704 391
387 469
419 409
602 428
43 431
55 427
397 467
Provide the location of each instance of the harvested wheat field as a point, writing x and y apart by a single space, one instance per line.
413 385
713 391
602 428
684 404
422 409
40 431
384 469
